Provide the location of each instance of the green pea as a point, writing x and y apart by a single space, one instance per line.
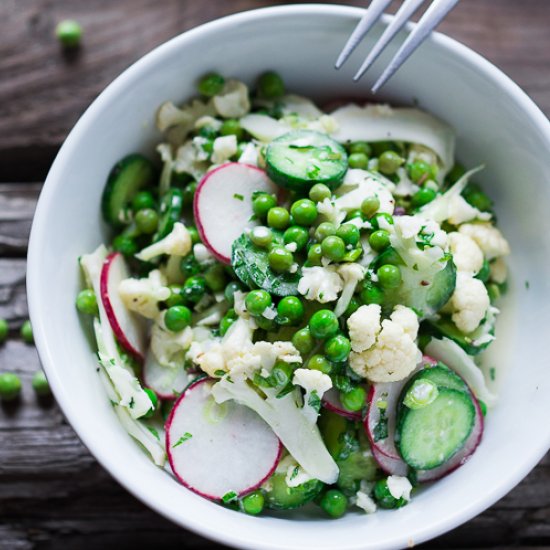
477 198
270 85
375 220
281 374
176 296
298 235
194 234
371 294
353 306
419 171
324 230
389 276
379 240
142 200
457 171
177 318
314 254
319 192
4 330
188 193
230 290
278 217
423 196
354 400
303 341
485 272
86 302
215 277
323 324
261 236
262 204
225 323
319 362
10 386
208 132
257 301
266 324
230 127
253 503
211 84
333 248
194 289
69 33
370 206
360 147
147 221
384 498
353 214
358 160
334 503
26 332
125 245
337 348
154 402
291 310
189 266
280 259
40 383
389 162
349 233
304 212
379 147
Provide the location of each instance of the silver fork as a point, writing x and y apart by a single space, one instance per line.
431 18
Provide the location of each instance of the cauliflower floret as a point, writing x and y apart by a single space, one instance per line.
499 271
169 347
295 475
203 255
467 256
233 101
469 302
315 384
210 121
364 327
223 149
330 212
176 243
352 274
399 487
365 502
394 354
143 295
169 115
320 283
249 155
488 238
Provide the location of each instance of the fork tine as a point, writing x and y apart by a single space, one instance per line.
433 16
401 17
373 13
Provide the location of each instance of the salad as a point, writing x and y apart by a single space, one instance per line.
293 304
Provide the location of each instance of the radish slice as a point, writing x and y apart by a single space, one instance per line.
223 205
166 382
219 450
331 401
462 456
130 330
392 466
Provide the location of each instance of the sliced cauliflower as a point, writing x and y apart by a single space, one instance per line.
499 271
488 238
394 354
168 115
364 327
330 212
223 149
315 384
143 295
295 475
169 347
233 101
209 121
320 283
469 303
177 243
467 256
365 502
249 155
189 160
352 274
203 255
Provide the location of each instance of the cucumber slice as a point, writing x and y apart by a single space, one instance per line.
430 436
251 265
127 177
170 213
445 327
282 497
300 159
442 377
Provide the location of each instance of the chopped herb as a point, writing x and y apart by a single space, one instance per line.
132 403
492 373
526 285
381 429
314 401
182 439
219 372
294 473
229 497
238 197
154 432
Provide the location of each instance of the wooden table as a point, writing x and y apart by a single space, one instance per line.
53 494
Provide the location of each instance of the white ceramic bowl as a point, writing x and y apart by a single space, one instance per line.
496 123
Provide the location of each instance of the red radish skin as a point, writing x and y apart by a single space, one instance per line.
221 216
159 379
213 465
393 466
331 402
129 329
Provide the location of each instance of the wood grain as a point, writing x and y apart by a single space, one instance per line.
53 494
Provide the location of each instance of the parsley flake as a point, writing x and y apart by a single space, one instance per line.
154 432
229 497
238 196
182 439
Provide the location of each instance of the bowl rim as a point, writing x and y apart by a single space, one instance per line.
39 316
